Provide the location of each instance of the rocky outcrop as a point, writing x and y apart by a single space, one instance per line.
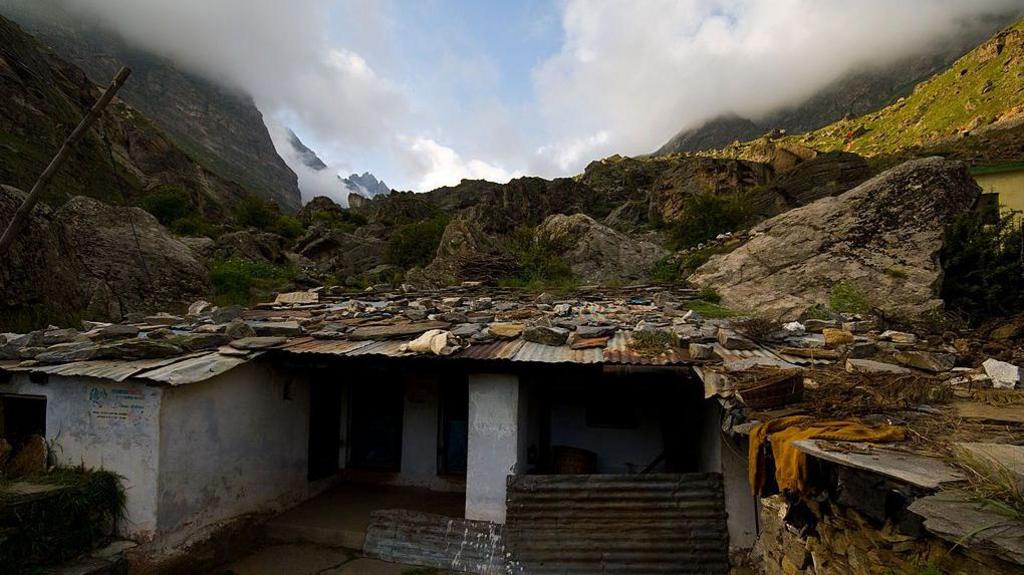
597 253
126 253
827 174
85 261
883 238
251 245
320 208
340 254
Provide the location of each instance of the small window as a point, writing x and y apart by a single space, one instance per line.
22 416
611 408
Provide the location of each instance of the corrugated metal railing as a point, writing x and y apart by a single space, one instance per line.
616 524
449 543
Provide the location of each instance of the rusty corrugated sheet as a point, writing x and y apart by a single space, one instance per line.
616 524
619 350
532 352
324 346
449 543
498 350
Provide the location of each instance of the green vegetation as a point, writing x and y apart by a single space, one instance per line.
168 204
653 341
539 264
264 215
711 310
704 216
415 244
44 531
343 220
666 270
847 298
244 282
709 294
983 266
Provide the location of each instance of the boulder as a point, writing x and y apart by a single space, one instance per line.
934 362
252 245
894 221
1003 375
505 330
597 253
872 367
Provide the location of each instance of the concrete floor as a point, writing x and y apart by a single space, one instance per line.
309 559
339 517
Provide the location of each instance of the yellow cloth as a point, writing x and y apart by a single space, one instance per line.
790 463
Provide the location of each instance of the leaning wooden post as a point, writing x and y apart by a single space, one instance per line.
21 216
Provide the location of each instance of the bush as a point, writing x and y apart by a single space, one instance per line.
288 226
243 281
49 530
709 294
256 213
345 220
539 262
848 298
415 244
704 216
666 270
983 268
168 204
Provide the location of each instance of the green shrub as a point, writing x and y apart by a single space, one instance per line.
57 528
243 281
415 244
704 216
168 204
710 310
256 213
288 226
666 270
848 298
709 294
540 265
983 265
345 220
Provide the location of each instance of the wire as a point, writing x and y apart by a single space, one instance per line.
131 216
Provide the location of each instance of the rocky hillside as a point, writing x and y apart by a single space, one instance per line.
219 129
857 93
972 110
45 97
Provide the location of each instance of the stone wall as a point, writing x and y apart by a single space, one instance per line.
839 540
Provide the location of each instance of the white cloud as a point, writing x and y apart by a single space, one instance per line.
563 157
640 71
437 165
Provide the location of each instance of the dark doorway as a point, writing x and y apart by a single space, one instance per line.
454 428
324 429
22 417
376 413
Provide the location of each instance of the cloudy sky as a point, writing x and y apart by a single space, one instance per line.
425 92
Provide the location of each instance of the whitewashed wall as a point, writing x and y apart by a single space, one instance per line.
230 446
104 425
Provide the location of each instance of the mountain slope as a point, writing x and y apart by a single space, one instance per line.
857 93
45 97
218 128
974 111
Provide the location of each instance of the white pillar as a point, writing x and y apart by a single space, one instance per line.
495 417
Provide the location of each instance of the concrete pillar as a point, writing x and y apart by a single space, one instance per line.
718 454
496 449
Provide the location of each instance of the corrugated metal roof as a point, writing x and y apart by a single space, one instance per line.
112 369
194 369
616 524
620 351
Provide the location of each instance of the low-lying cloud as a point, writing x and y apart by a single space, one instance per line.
627 75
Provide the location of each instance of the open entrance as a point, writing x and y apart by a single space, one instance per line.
376 425
324 429
21 417
453 432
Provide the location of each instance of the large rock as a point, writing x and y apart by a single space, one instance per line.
597 253
883 237
128 255
85 261
251 245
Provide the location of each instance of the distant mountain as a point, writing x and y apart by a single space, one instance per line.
857 93
219 128
366 185
121 160
306 155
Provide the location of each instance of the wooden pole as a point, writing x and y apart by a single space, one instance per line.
21 216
